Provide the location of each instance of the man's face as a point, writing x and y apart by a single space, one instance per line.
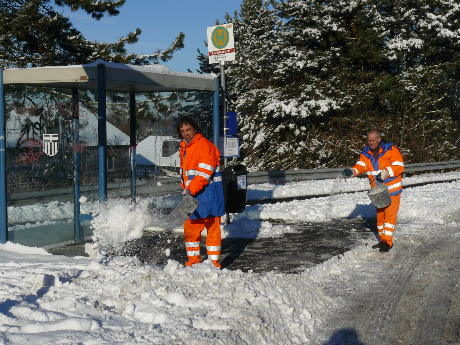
187 132
373 140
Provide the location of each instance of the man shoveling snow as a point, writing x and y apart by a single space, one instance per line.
201 178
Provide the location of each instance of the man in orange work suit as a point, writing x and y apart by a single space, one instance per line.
201 177
382 162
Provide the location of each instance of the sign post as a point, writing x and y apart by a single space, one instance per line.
3 178
221 48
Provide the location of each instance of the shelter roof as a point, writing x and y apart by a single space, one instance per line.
119 77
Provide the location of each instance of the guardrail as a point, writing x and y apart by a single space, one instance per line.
327 173
161 186
169 185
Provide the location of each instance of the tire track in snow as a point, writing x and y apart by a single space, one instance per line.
378 324
434 321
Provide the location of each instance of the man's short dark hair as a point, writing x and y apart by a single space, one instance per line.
187 120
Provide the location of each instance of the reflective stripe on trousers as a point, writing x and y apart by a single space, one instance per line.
193 250
386 219
192 236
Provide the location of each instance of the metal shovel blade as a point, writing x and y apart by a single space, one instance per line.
184 208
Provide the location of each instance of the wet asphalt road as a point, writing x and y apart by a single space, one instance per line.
413 297
309 245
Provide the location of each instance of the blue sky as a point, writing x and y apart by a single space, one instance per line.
160 22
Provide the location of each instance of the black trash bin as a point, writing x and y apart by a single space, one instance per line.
235 187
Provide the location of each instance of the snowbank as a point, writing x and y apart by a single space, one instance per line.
61 300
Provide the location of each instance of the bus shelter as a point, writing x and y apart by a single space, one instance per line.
101 77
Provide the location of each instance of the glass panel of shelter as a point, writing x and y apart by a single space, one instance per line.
40 153
39 164
157 139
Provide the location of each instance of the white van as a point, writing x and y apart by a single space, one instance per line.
158 151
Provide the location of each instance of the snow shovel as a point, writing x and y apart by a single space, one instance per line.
184 208
178 216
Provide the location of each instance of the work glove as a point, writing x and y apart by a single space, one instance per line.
347 172
384 174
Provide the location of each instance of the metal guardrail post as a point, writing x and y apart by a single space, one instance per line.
102 131
3 181
215 114
132 144
77 231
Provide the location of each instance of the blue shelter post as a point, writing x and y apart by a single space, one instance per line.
215 113
3 183
132 143
77 232
102 131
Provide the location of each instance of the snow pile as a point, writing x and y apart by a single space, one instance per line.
118 221
332 186
434 203
126 302
30 274
53 299
16 248
53 210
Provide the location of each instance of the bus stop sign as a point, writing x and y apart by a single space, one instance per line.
221 45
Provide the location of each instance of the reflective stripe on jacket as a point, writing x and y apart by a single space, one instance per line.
201 175
389 158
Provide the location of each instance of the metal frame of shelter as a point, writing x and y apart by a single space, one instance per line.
102 76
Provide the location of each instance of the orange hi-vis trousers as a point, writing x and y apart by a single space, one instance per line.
192 237
386 220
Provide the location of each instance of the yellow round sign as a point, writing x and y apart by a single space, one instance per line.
220 37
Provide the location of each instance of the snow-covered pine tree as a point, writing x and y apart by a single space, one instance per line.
336 68
422 44
35 33
298 90
251 76
198 104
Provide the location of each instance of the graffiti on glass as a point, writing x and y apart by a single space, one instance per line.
32 155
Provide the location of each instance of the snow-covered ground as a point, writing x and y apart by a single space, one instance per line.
50 299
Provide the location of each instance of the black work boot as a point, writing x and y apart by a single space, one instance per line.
384 247
376 246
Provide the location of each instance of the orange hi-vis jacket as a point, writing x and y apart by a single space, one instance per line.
389 157
201 175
